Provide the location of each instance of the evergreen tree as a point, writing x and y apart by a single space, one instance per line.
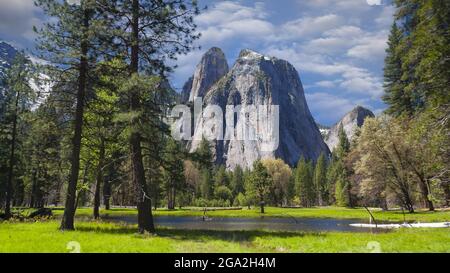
320 180
203 155
174 171
304 184
19 96
338 173
343 146
237 181
43 157
420 46
221 177
101 132
67 43
399 102
142 30
260 183
206 183
430 53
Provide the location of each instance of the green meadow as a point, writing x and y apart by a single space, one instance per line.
105 236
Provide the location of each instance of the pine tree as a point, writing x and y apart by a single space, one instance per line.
101 132
320 180
338 173
304 184
203 155
174 170
221 177
206 183
260 183
142 28
66 43
237 181
19 96
430 52
420 45
343 146
395 96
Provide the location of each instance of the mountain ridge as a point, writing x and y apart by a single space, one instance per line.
256 79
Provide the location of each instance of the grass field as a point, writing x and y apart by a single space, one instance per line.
103 236
110 237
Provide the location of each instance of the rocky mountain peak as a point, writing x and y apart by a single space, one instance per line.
350 121
211 68
259 80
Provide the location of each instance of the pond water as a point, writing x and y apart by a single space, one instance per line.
266 223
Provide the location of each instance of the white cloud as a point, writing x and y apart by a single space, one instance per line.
370 47
332 107
350 6
340 43
327 106
327 84
352 79
250 27
327 45
228 21
17 18
347 31
227 11
309 26
385 18
364 86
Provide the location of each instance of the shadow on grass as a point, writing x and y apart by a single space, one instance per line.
196 235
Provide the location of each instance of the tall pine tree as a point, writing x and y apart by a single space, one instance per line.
304 184
320 180
19 96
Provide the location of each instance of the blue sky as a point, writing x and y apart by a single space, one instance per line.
337 46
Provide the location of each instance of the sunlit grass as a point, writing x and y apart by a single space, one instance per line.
112 237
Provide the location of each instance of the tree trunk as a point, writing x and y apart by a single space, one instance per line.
425 193
171 198
446 189
145 218
262 205
106 194
34 186
70 206
383 204
12 159
99 179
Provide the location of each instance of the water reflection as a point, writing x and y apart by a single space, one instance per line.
260 223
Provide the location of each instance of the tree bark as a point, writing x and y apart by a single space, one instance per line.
9 187
67 222
106 194
99 179
33 195
145 218
171 198
423 184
